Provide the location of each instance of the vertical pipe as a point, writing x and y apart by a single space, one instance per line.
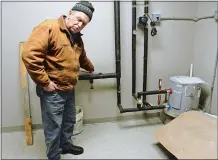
213 81
145 53
117 48
133 47
159 86
191 70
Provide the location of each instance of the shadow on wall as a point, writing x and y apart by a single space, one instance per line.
205 95
98 85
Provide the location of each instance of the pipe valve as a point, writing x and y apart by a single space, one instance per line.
153 31
170 91
143 20
159 96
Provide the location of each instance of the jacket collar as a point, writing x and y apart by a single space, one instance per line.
62 25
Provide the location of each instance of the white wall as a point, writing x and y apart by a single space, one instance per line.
1 67
171 50
169 54
205 48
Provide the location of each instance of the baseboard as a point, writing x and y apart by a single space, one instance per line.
20 128
89 121
113 119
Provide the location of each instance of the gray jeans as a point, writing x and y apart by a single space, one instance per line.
58 118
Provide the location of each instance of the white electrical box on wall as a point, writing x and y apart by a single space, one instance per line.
156 18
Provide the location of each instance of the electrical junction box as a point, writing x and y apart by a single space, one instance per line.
156 18
143 20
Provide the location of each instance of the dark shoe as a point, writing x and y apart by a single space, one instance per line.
76 150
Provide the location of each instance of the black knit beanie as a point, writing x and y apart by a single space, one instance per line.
85 7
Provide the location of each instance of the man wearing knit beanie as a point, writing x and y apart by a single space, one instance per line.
79 16
53 55
85 7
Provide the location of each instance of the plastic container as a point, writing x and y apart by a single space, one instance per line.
78 127
186 94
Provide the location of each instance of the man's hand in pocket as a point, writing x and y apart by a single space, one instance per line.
51 87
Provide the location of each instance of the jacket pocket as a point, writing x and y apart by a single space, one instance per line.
63 51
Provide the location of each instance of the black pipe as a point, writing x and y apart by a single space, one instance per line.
165 100
117 48
135 96
134 49
152 92
145 53
118 66
92 76
144 108
120 108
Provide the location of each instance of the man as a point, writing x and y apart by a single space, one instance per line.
53 55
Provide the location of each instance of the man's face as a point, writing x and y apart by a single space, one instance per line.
76 21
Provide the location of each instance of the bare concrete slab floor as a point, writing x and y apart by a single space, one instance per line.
125 139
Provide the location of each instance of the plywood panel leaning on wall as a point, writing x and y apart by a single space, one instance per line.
192 135
25 98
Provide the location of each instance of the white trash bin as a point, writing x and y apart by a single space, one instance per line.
78 127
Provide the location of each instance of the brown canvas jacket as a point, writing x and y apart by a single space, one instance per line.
51 53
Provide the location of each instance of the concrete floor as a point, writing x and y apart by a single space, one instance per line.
124 139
